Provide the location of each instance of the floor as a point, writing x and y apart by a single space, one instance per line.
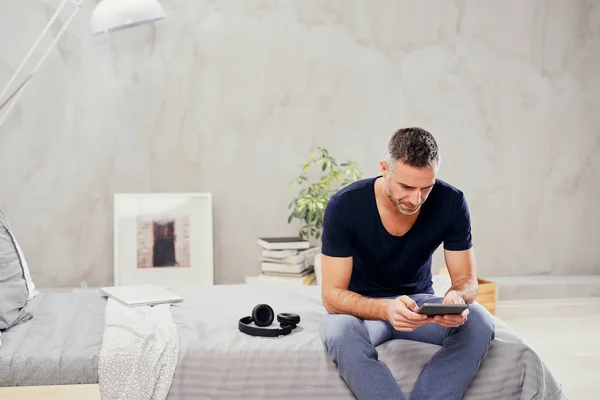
547 287
566 334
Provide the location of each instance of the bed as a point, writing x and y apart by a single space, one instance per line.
59 346
194 350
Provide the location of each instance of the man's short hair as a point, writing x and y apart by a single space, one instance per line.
413 146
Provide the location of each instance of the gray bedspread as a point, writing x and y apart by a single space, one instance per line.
62 343
59 345
216 361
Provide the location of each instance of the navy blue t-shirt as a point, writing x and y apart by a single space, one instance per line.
385 265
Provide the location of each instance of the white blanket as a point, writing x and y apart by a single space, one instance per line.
139 354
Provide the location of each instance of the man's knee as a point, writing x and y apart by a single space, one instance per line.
481 325
339 330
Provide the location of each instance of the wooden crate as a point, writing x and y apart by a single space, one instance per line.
487 295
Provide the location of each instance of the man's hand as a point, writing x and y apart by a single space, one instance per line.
452 321
453 297
401 314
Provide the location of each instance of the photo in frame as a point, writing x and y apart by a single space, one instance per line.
163 238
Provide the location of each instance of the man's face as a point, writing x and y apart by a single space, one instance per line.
407 186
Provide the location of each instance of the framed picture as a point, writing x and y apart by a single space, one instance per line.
163 238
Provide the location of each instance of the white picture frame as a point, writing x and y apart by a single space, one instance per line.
163 238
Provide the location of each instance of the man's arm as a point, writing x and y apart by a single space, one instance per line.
337 299
461 268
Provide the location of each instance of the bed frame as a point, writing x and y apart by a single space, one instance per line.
54 392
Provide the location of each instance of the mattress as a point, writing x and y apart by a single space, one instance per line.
217 361
60 345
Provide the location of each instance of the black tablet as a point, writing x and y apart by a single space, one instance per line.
441 309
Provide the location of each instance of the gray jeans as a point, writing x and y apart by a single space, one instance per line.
351 343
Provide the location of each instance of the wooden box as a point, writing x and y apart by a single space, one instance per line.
487 295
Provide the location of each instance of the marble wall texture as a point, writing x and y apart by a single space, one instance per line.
229 97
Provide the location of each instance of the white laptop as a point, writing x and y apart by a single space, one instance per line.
141 295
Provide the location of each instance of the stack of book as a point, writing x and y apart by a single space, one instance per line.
286 260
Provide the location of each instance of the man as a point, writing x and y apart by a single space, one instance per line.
378 238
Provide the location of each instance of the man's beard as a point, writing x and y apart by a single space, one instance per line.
408 212
398 205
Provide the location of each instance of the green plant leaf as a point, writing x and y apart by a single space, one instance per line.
311 200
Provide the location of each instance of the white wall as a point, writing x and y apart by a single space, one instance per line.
228 97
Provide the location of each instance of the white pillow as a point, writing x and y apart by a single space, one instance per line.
15 306
32 292
30 286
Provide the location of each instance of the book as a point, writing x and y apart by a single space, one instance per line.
284 268
279 253
292 280
293 255
304 255
283 243
307 270
298 258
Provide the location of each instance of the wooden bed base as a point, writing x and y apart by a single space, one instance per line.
57 392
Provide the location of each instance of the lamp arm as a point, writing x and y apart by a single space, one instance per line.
13 94
16 93
36 44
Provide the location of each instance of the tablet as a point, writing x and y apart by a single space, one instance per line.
441 309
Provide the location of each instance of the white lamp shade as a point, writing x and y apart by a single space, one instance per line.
113 15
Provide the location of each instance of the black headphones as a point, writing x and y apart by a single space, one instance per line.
262 315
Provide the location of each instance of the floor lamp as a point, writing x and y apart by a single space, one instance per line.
108 16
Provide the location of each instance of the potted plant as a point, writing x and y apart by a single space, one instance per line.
317 185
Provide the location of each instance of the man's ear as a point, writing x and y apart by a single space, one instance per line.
383 167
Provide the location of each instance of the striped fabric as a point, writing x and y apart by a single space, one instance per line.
219 362
60 345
